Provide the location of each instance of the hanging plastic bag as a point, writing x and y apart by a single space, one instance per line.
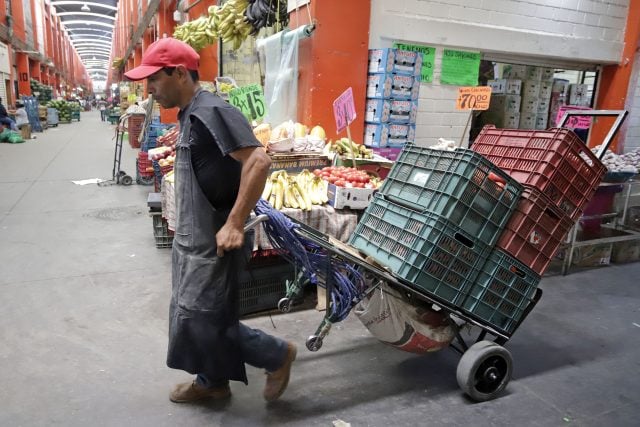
394 321
281 76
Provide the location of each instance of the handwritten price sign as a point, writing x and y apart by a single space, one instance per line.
473 98
344 110
250 100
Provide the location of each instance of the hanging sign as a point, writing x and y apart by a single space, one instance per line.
460 68
250 100
344 110
428 59
473 98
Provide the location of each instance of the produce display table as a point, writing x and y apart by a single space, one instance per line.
337 223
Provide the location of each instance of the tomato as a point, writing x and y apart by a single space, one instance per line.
327 169
332 179
358 185
317 172
340 183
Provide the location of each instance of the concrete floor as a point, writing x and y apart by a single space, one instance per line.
83 303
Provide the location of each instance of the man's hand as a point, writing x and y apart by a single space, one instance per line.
229 238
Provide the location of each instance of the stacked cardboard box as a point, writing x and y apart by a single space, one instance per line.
559 90
391 107
536 94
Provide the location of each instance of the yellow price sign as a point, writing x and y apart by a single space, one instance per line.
473 98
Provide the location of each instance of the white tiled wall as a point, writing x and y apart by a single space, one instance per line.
588 31
632 134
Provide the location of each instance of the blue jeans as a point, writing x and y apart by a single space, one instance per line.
259 349
8 122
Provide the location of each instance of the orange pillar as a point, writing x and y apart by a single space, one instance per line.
208 70
333 59
614 87
22 63
34 70
166 25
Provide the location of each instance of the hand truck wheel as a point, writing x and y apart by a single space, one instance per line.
126 180
314 343
284 305
484 370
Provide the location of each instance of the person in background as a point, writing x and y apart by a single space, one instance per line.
21 115
220 171
102 105
5 120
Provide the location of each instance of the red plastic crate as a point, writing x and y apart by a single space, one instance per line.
134 127
535 230
555 161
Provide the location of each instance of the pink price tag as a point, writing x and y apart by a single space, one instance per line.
574 122
344 110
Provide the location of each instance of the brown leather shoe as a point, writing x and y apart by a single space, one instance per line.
192 391
277 381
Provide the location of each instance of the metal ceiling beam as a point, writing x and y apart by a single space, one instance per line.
105 42
87 21
89 29
88 51
88 3
152 9
97 15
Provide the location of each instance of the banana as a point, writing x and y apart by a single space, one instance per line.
267 189
279 195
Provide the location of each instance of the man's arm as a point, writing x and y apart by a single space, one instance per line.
255 169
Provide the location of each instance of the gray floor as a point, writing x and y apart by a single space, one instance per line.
83 303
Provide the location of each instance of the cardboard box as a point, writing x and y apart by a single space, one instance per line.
543 107
530 89
395 61
560 86
506 104
628 251
25 131
393 86
391 111
545 90
527 121
547 74
388 135
511 71
579 95
502 121
349 198
529 106
541 122
533 73
390 153
505 86
593 255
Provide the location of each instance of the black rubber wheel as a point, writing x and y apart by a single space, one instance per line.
121 174
126 180
484 370
284 305
314 343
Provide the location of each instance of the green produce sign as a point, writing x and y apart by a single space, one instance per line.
250 100
428 59
460 68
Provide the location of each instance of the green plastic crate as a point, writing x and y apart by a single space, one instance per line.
261 287
502 292
430 253
460 185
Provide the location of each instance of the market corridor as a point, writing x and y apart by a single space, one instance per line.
84 296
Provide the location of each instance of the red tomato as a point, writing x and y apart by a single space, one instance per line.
340 183
332 179
327 169
317 172
358 184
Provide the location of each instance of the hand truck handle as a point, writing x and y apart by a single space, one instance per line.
622 114
253 222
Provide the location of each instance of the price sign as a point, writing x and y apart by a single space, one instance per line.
573 122
250 100
344 110
473 98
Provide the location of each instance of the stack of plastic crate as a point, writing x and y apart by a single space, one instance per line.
144 169
134 127
435 223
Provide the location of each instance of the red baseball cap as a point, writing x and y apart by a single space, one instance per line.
166 52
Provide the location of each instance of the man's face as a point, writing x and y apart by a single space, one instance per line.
164 88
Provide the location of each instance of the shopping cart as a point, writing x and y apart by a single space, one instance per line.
485 367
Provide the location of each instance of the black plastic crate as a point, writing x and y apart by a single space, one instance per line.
460 185
502 292
427 251
262 286
161 232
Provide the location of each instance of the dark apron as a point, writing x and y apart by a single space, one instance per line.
203 315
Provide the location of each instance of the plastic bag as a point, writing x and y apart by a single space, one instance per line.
11 137
281 76
394 321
